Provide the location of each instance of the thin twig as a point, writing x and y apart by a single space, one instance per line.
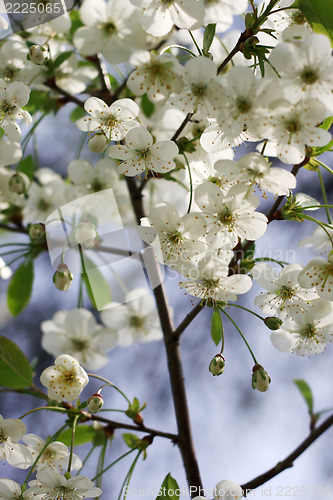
289 460
187 320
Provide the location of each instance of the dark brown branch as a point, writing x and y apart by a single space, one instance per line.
175 368
289 460
68 97
187 320
182 126
14 229
237 48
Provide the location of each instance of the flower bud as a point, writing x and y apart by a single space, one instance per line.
85 233
273 323
260 378
217 364
19 183
38 54
98 143
95 403
36 231
62 278
227 490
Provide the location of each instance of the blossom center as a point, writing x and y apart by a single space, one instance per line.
136 321
167 2
96 185
111 121
243 105
108 27
310 332
216 180
42 204
175 238
198 90
6 108
79 344
144 154
293 126
3 437
225 218
210 283
309 76
298 17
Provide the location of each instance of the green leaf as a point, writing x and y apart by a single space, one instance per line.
147 107
131 440
20 286
306 393
15 369
83 434
169 489
216 327
319 13
97 287
76 21
327 123
208 37
77 113
41 102
319 151
27 167
61 58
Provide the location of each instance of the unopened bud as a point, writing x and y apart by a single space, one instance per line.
36 231
95 403
217 364
273 323
62 278
260 379
85 233
38 54
19 183
98 143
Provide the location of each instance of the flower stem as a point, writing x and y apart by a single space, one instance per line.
239 330
113 463
248 310
76 418
107 382
191 184
128 477
52 408
195 43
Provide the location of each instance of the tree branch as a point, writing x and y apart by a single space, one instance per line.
176 375
187 320
288 461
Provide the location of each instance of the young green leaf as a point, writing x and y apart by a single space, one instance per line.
208 37
83 434
27 167
98 289
15 369
319 14
147 106
131 440
77 113
20 287
61 58
216 327
306 393
169 489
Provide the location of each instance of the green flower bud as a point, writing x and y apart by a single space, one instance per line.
36 231
19 183
63 278
273 323
98 143
95 403
217 364
260 378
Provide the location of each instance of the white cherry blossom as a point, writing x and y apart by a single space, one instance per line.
55 455
221 12
158 76
12 431
227 490
12 97
202 93
66 379
229 216
253 168
306 70
136 320
77 333
209 280
159 16
318 273
111 27
320 241
177 237
51 485
141 155
293 127
284 293
306 333
115 120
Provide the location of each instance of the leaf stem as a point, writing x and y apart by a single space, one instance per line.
239 330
